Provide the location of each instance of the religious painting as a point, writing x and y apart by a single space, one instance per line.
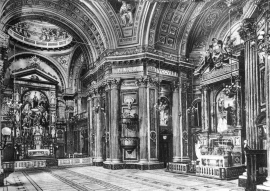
226 112
35 112
125 9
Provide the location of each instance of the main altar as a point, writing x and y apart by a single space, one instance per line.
29 108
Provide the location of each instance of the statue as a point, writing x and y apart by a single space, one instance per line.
126 13
246 147
198 147
35 101
217 50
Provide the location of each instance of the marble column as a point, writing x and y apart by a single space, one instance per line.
238 103
175 123
90 124
107 119
115 151
202 106
206 108
99 127
267 90
79 104
143 119
4 42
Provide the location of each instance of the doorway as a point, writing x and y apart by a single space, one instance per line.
165 148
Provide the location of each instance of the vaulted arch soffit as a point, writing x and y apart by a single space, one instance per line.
171 24
81 20
127 33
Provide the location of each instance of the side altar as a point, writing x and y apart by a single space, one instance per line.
215 117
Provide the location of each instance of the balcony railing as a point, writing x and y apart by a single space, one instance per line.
41 44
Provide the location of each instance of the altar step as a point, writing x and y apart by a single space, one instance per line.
222 173
12 166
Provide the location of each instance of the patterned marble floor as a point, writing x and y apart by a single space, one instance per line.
99 179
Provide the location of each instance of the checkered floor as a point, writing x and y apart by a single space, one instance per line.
100 179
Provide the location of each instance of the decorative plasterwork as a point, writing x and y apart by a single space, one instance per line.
63 60
172 23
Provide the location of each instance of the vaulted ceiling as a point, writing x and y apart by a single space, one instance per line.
182 28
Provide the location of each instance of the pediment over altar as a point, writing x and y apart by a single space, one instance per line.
34 75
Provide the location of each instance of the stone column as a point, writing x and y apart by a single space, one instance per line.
267 90
238 103
4 43
206 108
143 119
90 124
115 116
98 159
79 104
70 124
175 123
202 106
182 116
108 120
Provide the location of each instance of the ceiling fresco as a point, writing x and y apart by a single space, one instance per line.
40 32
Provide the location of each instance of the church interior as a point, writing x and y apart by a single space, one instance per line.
177 85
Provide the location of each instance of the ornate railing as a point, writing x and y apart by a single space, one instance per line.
220 74
42 44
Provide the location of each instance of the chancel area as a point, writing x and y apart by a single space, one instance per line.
180 86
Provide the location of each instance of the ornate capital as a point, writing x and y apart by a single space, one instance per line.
154 82
107 85
142 81
115 83
205 88
247 29
175 86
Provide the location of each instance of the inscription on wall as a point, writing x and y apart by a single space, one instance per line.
162 71
127 70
